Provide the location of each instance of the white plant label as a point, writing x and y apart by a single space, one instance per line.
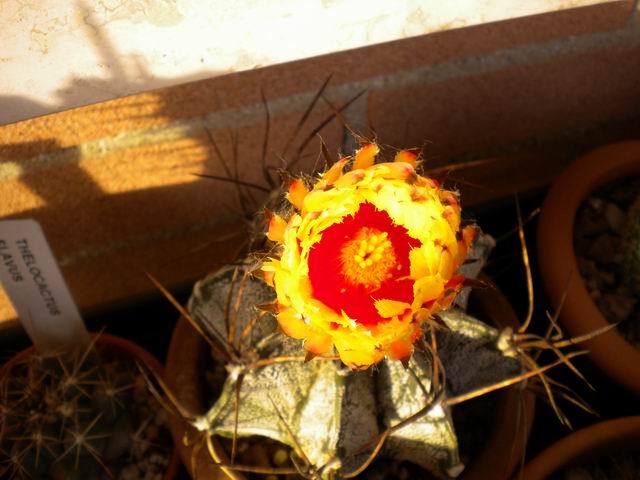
33 281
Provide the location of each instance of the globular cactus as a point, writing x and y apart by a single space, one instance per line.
74 416
347 339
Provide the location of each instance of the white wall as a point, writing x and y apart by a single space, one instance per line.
59 54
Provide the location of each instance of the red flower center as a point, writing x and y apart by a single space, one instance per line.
360 260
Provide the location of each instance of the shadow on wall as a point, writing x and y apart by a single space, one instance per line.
114 188
113 184
92 90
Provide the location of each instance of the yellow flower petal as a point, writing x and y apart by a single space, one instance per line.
419 263
359 359
427 289
399 171
391 308
425 261
349 179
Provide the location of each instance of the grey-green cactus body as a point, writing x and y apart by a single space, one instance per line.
330 412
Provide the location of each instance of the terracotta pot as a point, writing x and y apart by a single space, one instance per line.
516 407
580 315
116 347
498 459
186 361
584 446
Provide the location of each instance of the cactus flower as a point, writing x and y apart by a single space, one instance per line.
366 256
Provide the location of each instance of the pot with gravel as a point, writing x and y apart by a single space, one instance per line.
589 253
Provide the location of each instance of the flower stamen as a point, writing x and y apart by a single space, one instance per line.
367 258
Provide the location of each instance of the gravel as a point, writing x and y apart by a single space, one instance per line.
598 232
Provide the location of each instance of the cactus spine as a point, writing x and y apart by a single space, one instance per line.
76 416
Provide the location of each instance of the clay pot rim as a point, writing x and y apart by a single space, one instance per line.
556 257
186 343
136 351
600 438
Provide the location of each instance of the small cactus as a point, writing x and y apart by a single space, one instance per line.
75 416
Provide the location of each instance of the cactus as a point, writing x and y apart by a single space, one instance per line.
324 410
325 350
72 415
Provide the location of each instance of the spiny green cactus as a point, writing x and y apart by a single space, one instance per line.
73 416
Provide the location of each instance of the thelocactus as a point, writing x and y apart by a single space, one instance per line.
366 261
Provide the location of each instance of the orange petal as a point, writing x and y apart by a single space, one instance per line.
349 178
277 225
469 234
268 278
366 156
464 244
447 300
297 192
406 156
400 171
455 282
400 349
292 324
318 343
429 182
447 265
452 216
461 254
422 315
448 197
331 175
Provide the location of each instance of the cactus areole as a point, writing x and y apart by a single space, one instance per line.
365 256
